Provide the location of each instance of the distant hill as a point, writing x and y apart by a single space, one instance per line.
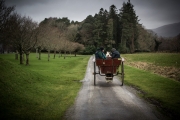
170 30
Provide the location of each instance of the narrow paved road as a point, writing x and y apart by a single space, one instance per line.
109 101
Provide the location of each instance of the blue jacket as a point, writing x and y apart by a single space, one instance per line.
115 54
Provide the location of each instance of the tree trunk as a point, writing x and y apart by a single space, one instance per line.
65 55
54 54
27 58
36 52
132 43
59 54
39 54
16 55
48 54
21 55
21 58
157 43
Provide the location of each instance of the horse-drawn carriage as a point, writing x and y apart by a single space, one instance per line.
109 68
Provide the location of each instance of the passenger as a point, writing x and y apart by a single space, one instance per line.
100 53
115 53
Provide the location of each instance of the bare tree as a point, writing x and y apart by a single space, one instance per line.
5 13
57 36
70 47
31 40
65 46
68 41
50 37
70 38
62 28
56 41
60 46
78 47
40 44
22 34
170 44
74 47
174 44
158 41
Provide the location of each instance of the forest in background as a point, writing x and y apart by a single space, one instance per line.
118 28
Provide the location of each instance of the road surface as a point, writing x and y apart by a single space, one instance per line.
109 101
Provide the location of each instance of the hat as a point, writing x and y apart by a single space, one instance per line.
101 48
113 49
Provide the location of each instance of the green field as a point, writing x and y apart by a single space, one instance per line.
45 90
159 90
161 59
42 90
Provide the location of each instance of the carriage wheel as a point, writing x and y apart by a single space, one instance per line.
122 73
94 74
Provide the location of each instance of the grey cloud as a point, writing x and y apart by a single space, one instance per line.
153 13
26 2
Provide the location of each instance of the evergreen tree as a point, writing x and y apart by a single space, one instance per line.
129 30
110 35
114 21
86 31
100 33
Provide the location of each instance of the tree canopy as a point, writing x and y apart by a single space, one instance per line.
116 28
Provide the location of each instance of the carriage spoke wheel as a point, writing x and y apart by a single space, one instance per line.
122 73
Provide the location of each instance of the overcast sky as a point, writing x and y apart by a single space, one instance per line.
152 13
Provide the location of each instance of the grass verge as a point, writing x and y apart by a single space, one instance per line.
42 90
160 59
159 90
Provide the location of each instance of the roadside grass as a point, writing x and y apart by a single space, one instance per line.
44 90
160 59
41 90
161 91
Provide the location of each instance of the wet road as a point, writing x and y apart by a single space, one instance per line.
109 101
